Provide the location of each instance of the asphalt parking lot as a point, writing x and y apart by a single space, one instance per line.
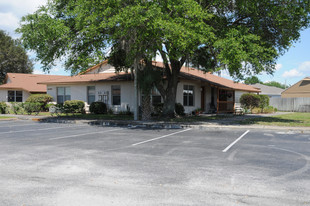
78 164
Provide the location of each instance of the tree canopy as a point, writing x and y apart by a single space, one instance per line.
244 37
13 57
252 80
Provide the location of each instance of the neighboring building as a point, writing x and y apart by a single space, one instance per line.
300 89
196 89
268 90
18 87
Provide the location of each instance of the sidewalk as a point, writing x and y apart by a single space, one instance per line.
229 122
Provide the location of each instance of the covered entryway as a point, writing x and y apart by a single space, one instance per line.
225 100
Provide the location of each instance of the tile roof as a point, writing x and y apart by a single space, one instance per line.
28 82
213 79
186 72
100 77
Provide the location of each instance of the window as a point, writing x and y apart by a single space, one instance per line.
156 97
91 94
188 95
116 94
15 96
63 94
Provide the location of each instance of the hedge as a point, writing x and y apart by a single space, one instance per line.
3 108
98 108
43 99
74 106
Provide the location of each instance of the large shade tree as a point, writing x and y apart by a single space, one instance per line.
13 57
243 37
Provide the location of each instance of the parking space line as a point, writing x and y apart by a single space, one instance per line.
229 146
157 138
33 130
77 135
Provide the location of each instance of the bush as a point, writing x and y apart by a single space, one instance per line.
270 109
17 107
3 108
158 109
179 109
263 102
74 106
30 107
249 101
98 108
43 99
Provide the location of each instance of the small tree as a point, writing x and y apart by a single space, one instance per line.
263 102
249 101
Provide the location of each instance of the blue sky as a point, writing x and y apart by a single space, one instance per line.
293 66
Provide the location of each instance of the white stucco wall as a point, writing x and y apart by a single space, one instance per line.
4 95
79 92
197 95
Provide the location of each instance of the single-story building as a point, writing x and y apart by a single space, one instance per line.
300 89
18 87
268 90
196 89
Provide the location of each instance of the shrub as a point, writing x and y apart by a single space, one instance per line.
3 108
74 106
179 109
158 109
17 107
98 108
43 99
263 102
30 107
249 101
270 109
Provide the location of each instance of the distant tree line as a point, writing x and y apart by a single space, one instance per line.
255 80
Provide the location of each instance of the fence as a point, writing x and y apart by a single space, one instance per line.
300 104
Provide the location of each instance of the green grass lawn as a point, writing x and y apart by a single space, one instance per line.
293 120
5 117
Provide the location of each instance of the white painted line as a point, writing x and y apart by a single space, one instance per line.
33 130
17 125
229 146
160 137
77 135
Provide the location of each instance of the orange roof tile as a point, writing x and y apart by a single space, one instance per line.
28 82
121 76
187 72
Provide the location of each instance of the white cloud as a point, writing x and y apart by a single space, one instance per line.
305 66
278 67
38 71
8 20
292 73
55 70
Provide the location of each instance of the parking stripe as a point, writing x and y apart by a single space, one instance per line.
10 124
77 135
33 130
229 146
157 138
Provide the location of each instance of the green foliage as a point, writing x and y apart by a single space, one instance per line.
244 37
43 99
17 107
179 109
263 102
252 80
158 109
3 108
270 109
249 101
13 57
74 106
98 108
31 107
275 84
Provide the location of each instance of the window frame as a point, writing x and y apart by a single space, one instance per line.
65 95
15 95
91 95
113 95
187 95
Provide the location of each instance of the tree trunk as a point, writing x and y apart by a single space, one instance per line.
170 96
146 108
